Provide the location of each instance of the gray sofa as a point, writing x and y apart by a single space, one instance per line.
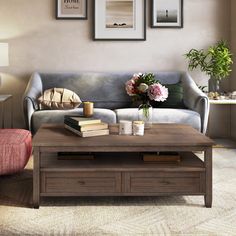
112 104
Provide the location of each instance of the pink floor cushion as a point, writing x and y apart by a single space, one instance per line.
15 150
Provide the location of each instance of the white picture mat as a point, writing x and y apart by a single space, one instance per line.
101 32
71 15
159 4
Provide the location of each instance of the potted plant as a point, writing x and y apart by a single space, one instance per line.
216 62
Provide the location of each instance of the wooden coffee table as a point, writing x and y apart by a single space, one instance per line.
118 168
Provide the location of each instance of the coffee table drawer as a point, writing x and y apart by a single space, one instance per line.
154 182
84 182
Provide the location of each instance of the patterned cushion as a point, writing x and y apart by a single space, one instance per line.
15 150
59 99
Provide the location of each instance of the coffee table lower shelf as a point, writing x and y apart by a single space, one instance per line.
120 174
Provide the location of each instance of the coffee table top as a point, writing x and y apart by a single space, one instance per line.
159 137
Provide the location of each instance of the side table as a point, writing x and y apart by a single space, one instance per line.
3 100
225 102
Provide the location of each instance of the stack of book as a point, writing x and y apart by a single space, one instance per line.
86 127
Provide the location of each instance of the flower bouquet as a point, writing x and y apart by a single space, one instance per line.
145 88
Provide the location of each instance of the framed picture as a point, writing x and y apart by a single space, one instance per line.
120 20
167 14
71 9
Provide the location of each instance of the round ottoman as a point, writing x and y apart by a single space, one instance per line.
15 150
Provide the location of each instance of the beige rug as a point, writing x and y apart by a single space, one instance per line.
121 216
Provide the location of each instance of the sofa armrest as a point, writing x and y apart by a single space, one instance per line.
33 90
195 100
28 109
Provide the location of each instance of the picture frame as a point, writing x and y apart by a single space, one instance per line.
119 20
71 9
167 13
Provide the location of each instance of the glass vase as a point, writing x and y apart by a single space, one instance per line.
145 115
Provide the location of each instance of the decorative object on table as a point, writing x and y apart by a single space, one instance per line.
216 62
167 14
85 127
88 109
138 128
224 97
59 99
214 95
125 127
145 88
114 129
4 57
120 20
161 157
71 9
233 95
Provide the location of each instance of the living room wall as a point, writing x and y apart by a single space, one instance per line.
39 42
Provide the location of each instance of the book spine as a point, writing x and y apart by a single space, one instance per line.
70 120
72 125
82 122
73 130
95 133
93 127
89 122
88 133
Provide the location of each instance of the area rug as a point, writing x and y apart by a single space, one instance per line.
121 215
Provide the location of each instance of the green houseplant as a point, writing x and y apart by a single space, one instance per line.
216 62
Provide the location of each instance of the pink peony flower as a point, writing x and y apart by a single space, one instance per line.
135 77
130 87
157 92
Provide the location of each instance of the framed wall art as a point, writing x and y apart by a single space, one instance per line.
71 9
119 19
167 14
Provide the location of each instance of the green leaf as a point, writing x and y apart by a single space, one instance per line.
216 61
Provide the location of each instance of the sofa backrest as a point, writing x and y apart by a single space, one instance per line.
106 90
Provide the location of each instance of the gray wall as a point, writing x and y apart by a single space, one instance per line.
38 42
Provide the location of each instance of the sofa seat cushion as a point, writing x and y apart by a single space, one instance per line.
57 116
164 115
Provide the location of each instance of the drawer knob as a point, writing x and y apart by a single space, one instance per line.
81 182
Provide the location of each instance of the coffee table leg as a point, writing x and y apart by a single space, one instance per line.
208 166
36 178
